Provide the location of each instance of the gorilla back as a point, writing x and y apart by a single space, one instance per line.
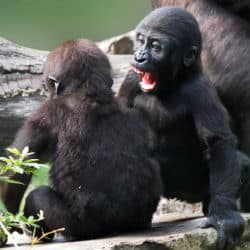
103 177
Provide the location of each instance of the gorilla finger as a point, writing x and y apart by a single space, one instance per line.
207 223
236 239
231 243
221 239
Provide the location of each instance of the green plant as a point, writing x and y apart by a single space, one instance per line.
17 162
20 164
10 222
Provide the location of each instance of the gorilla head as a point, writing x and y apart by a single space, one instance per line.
167 48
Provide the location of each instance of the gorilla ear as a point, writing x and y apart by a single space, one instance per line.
190 57
53 85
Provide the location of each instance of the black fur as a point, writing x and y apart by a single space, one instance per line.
225 31
104 179
196 148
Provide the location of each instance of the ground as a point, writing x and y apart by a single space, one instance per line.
174 230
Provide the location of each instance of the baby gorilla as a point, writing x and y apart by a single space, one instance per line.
195 146
103 178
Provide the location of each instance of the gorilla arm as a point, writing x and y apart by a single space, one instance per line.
213 130
129 88
35 135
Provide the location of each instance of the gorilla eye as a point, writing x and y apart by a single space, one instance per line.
52 84
156 46
141 39
51 81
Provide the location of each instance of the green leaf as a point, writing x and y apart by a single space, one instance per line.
44 165
25 151
9 180
4 159
12 160
14 151
32 164
31 160
18 169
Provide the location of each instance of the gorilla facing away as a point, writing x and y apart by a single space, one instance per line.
195 146
104 179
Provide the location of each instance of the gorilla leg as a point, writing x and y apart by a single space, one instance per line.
244 135
205 204
11 195
86 224
245 199
244 191
55 212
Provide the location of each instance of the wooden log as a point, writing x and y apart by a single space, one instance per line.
166 234
118 45
21 68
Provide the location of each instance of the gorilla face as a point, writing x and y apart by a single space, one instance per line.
167 42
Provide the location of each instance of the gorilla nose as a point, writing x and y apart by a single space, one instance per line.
141 56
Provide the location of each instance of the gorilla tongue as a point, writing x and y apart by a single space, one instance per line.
148 80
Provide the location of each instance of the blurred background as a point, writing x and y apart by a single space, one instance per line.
43 24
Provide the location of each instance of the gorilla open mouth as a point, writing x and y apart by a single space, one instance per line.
148 80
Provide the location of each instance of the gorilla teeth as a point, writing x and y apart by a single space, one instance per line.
148 80
147 86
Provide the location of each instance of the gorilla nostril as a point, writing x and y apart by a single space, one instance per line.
140 57
140 60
